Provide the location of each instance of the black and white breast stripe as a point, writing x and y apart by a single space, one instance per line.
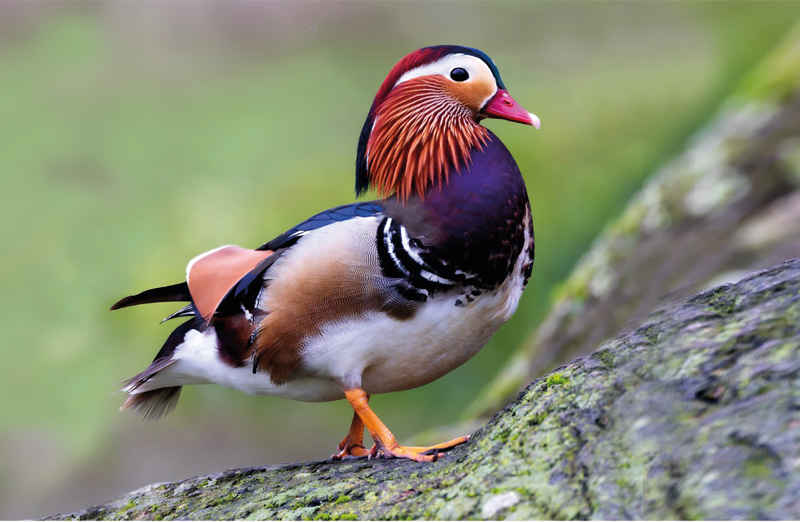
406 258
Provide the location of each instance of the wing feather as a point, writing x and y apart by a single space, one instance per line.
210 276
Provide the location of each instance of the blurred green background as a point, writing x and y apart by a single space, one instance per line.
134 135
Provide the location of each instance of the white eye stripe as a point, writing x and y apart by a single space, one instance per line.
472 64
486 100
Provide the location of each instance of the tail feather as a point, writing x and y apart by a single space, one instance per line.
146 395
132 384
162 294
153 404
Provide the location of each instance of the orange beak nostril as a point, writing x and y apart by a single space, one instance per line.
503 106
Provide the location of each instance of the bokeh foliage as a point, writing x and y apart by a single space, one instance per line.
128 146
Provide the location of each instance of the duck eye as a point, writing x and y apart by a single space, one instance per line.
459 74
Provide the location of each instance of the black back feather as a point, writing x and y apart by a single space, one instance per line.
324 218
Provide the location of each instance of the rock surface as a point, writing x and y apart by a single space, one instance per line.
693 414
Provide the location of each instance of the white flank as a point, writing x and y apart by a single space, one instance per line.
198 362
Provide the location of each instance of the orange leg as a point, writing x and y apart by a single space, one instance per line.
353 444
385 443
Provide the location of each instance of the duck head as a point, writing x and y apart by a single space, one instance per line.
425 120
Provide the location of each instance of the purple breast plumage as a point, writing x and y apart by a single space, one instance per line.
469 233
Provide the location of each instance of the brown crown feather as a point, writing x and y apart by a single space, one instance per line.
421 132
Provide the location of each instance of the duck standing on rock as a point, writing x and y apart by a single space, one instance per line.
371 297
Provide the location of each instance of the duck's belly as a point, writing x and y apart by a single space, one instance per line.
381 354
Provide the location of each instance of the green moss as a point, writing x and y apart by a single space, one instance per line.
537 418
720 302
757 468
502 434
130 505
556 379
606 357
630 223
341 499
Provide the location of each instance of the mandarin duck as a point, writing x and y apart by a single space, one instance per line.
371 297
